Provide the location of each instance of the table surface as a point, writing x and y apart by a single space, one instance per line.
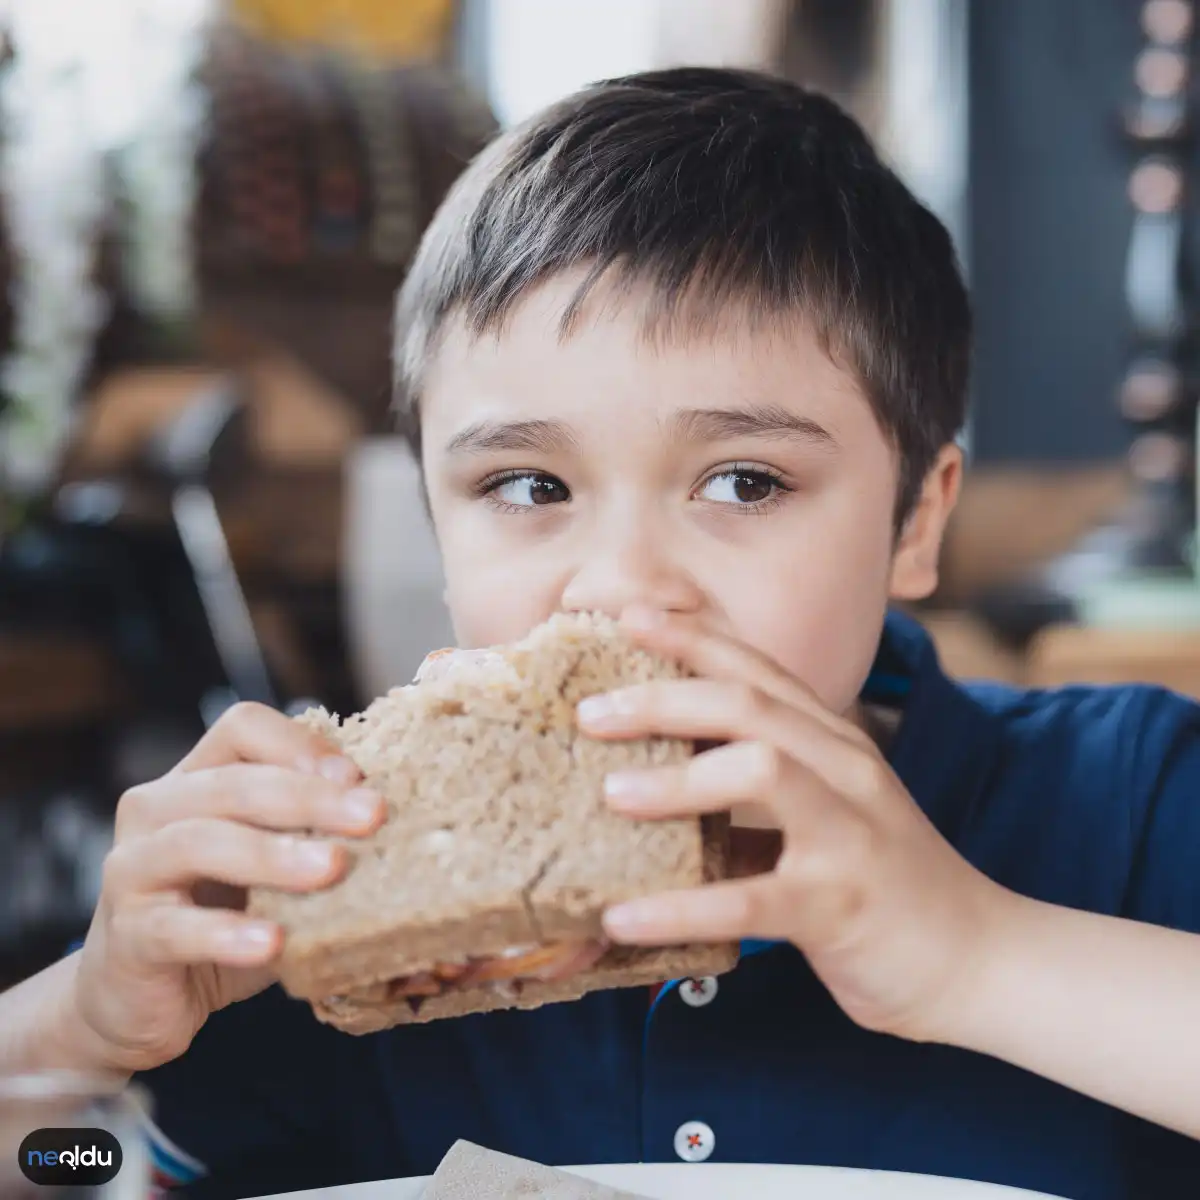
721 1181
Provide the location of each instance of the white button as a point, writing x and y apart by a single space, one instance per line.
694 1141
698 992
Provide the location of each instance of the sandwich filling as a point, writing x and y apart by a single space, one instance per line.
552 961
505 972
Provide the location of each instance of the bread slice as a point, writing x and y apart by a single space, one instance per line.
497 834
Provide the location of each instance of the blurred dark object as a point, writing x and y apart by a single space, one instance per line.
1152 537
834 46
320 176
1011 521
190 552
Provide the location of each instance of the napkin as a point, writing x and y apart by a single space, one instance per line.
471 1171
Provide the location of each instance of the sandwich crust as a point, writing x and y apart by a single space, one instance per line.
622 967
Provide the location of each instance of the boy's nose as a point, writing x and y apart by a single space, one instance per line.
614 577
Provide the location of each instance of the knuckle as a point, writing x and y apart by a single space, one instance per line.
246 793
766 767
858 847
243 714
869 774
114 872
131 810
750 908
157 930
122 930
198 842
825 885
244 721
760 907
750 704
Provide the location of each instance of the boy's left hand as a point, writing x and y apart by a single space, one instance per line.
895 923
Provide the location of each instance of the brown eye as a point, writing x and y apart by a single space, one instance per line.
546 490
741 488
750 489
527 489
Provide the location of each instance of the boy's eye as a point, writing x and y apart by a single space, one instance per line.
740 486
529 489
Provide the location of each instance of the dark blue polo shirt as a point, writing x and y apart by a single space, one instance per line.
1082 797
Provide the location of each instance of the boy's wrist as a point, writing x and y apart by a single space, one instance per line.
72 1043
978 1015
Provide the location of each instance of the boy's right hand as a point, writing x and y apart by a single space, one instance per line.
166 947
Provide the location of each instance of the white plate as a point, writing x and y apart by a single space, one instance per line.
726 1181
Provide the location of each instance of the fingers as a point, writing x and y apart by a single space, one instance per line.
717 912
734 712
819 885
714 655
184 852
266 796
256 733
719 779
182 934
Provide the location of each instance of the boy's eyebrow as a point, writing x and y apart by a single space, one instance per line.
756 421
541 436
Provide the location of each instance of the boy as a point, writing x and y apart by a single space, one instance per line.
683 349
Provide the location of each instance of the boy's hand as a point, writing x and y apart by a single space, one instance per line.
168 944
891 918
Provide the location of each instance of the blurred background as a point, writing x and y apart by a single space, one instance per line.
206 207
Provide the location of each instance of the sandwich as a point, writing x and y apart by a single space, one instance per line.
485 886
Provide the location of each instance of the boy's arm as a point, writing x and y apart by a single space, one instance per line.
1106 1006
40 1030
1109 1006
910 938
248 1110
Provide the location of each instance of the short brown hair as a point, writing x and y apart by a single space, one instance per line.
718 188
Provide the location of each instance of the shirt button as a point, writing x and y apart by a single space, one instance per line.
698 992
694 1141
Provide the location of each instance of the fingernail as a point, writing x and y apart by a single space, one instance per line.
257 936
249 937
605 707
626 920
595 708
630 785
338 770
361 805
312 856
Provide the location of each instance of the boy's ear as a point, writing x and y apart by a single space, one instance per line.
915 562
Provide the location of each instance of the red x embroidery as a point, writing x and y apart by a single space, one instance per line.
694 1140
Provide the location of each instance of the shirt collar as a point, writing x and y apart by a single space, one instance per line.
947 742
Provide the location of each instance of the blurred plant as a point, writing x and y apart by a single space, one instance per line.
87 99
52 176
156 159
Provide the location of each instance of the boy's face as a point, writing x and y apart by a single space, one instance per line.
741 477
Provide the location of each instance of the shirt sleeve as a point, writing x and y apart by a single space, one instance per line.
252 1108
1164 879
